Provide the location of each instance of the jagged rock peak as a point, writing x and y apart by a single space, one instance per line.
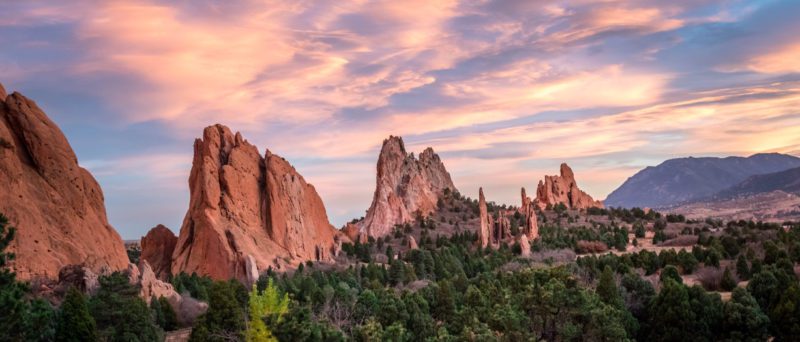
3 93
247 212
157 248
405 185
563 189
56 205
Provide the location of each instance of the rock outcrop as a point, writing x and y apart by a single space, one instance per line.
151 287
78 276
405 186
242 206
412 243
563 189
56 205
524 246
484 233
531 227
157 248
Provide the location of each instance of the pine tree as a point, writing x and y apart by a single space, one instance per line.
742 269
607 289
74 321
727 283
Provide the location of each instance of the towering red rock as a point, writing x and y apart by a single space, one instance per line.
484 234
404 187
247 207
531 227
563 189
56 205
157 248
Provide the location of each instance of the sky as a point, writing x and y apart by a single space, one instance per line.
504 91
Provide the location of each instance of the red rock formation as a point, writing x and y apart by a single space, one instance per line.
484 234
245 206
502 228
351 232
405 186
157 248
56 205
524 246
152 287
412 243
563 189
531 227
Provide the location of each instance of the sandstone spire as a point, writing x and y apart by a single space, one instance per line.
563 189
484 235
157 248
247 207
531 227
405 185
56 205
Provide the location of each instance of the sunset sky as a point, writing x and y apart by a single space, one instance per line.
504 91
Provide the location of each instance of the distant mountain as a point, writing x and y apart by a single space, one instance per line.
786 181
683 180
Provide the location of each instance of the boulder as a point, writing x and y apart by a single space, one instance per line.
56 205
78 276
405 186
242 204
563 189
187 308
157 248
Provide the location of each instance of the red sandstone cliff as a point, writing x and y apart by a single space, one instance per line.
56 205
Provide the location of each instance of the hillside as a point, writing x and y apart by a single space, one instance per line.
786 181
686 179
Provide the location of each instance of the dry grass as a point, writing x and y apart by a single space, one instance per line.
584 246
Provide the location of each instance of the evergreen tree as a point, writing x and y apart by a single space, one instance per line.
74 321
727 283
224 319
742 269
12 302
786 315
670 272
743 319
607 289
670 313
119 312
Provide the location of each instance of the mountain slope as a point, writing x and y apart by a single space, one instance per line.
786 181
685 179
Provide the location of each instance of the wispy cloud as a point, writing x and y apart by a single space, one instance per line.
504 90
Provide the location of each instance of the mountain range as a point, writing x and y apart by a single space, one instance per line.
685 180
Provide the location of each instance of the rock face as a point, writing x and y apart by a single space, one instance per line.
405 186
484 235
157 248
245 206
531 227
563 189
412 243
56 206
